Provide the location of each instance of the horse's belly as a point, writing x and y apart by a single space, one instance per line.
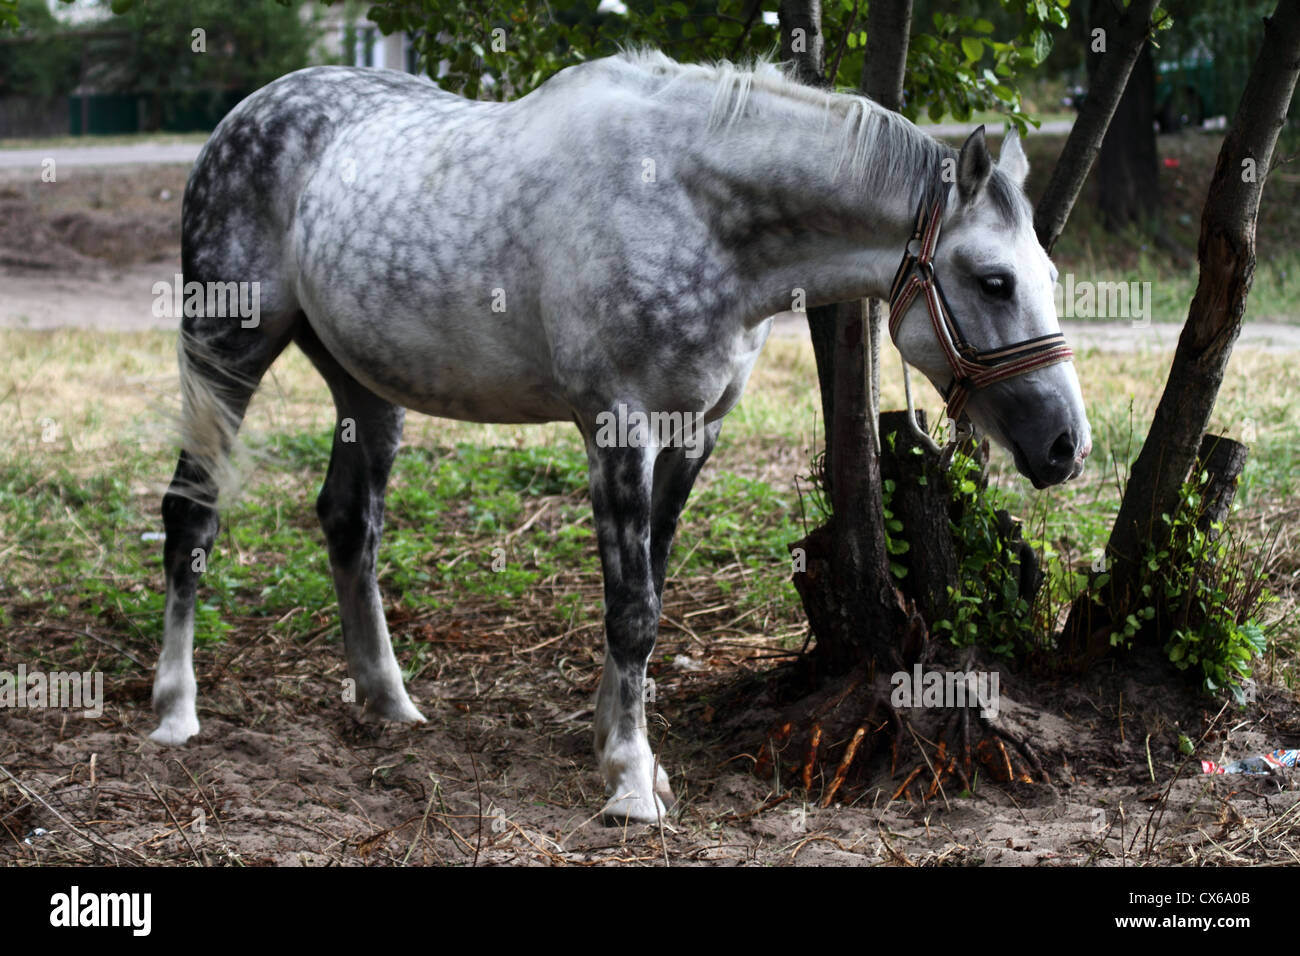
439 367
488 395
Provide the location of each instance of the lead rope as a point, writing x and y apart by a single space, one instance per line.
917 431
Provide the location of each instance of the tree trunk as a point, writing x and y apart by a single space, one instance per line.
1227 255
889 24
1124 33
1128 181
854 609
802 43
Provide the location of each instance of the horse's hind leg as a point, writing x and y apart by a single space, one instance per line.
675 474
220 369
351 511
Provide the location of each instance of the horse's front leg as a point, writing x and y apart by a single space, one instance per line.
621 493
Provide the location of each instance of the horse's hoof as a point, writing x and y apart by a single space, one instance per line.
175 731
625 811
398 710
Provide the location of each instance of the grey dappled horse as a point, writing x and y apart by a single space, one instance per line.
619 236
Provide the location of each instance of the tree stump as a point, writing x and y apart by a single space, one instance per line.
1224 460
922 502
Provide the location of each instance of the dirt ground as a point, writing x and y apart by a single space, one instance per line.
285 773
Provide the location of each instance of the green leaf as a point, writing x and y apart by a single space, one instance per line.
1042 46
973 48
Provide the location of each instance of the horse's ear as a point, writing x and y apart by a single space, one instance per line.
1012 159
974 166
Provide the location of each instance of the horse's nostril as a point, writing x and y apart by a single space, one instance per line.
1063 448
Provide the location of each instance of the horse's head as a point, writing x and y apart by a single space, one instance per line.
973 310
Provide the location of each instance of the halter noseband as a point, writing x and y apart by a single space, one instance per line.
971 368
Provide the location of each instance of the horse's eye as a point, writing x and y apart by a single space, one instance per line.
997 285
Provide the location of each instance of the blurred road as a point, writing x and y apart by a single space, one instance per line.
138 153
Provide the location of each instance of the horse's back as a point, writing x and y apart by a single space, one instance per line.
466 259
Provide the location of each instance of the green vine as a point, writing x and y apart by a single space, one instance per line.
987 606
1200 587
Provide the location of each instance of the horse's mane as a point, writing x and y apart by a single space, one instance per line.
865 130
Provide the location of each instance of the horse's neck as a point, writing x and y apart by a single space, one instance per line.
803 233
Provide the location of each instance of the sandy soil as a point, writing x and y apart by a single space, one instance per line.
284 773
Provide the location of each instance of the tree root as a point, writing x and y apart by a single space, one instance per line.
834 742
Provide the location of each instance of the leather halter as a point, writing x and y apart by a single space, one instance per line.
971 368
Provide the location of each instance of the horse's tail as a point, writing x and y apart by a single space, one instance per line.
213 400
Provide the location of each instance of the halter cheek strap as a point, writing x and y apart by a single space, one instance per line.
971 368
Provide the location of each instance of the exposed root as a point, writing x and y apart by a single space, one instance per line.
837 732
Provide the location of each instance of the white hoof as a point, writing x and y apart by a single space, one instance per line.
398 709
627 810
174 730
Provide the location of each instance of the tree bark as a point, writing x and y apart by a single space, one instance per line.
802 43
921 501
1227 255
855 610
1128 180
1223 460
1125 32
889 26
